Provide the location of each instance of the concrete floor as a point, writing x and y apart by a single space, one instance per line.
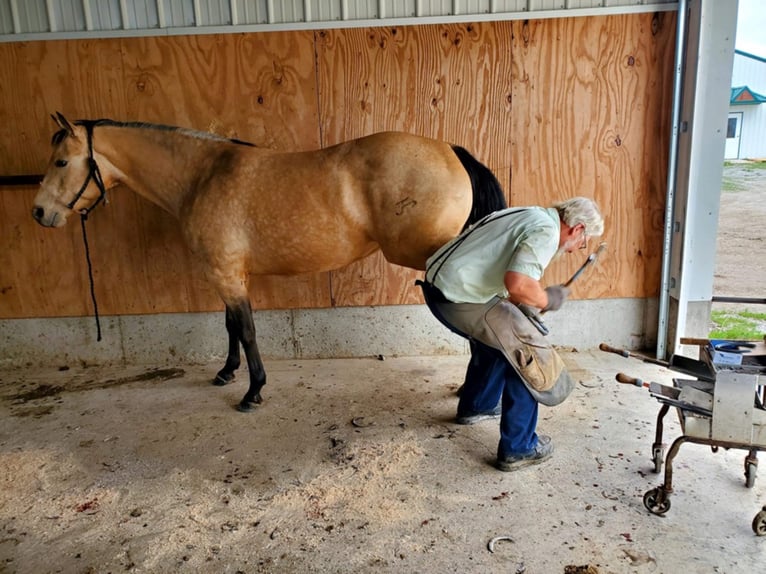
139 470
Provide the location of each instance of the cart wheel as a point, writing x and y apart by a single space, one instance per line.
751 471
656 501
759 522
658 454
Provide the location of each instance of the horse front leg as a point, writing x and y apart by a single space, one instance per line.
244 328
226 375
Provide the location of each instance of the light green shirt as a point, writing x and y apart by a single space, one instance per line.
523 240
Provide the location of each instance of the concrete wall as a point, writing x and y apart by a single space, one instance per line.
404 330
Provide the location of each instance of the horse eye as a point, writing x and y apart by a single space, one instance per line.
60 163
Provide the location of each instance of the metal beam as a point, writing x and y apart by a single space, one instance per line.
51 16
88 15
124 14
273 26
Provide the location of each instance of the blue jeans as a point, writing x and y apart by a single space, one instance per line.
490 379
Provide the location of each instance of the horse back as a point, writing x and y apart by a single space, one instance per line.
288 213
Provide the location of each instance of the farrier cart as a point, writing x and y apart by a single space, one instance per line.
724 405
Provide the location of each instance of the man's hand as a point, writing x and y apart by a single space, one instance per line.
557 294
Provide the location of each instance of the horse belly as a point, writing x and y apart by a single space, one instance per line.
298 246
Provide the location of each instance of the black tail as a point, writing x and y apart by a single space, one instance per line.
488 195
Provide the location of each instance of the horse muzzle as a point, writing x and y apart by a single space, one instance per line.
47 218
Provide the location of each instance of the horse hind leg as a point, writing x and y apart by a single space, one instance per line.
240 317
226 375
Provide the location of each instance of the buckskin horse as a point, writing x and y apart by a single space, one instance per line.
245 210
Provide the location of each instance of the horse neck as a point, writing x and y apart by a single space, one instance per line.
159 164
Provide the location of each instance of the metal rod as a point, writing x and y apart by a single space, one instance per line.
662 323
754 300
161 15
49 11
15 17
627 354
88 15
234 12
124 14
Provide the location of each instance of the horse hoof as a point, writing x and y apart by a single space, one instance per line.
223 380
244 407
248 406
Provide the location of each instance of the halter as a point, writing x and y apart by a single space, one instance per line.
93 173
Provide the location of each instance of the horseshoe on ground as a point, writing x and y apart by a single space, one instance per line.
491 543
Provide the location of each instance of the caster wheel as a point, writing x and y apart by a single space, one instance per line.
751 471
658 454
759 523
656 501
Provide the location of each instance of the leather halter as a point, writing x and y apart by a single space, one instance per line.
93 173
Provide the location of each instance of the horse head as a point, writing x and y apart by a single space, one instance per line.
72 181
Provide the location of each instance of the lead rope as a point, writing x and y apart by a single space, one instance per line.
83 219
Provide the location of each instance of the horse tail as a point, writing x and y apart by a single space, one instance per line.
488 195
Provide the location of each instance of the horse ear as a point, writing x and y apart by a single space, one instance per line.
63 123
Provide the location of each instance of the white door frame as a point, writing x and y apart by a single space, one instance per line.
733 141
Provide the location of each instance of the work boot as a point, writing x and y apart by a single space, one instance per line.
472 417
542 451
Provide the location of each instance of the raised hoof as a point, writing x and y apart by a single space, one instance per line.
223 380
246 406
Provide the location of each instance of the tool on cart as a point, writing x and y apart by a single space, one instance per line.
627 354
722 407
677 362
535 317
625 379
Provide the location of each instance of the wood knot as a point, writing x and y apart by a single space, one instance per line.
656 23
631 61
525 32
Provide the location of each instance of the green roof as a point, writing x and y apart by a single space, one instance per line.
743 96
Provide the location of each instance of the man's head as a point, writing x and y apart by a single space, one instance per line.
580 219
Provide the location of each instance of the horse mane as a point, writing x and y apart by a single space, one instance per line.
59 136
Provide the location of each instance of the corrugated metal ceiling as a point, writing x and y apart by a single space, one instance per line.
51 19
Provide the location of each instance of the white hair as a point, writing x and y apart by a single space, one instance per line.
582 210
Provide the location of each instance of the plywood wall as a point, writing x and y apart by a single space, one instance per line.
554 107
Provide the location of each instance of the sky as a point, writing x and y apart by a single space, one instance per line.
751 27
